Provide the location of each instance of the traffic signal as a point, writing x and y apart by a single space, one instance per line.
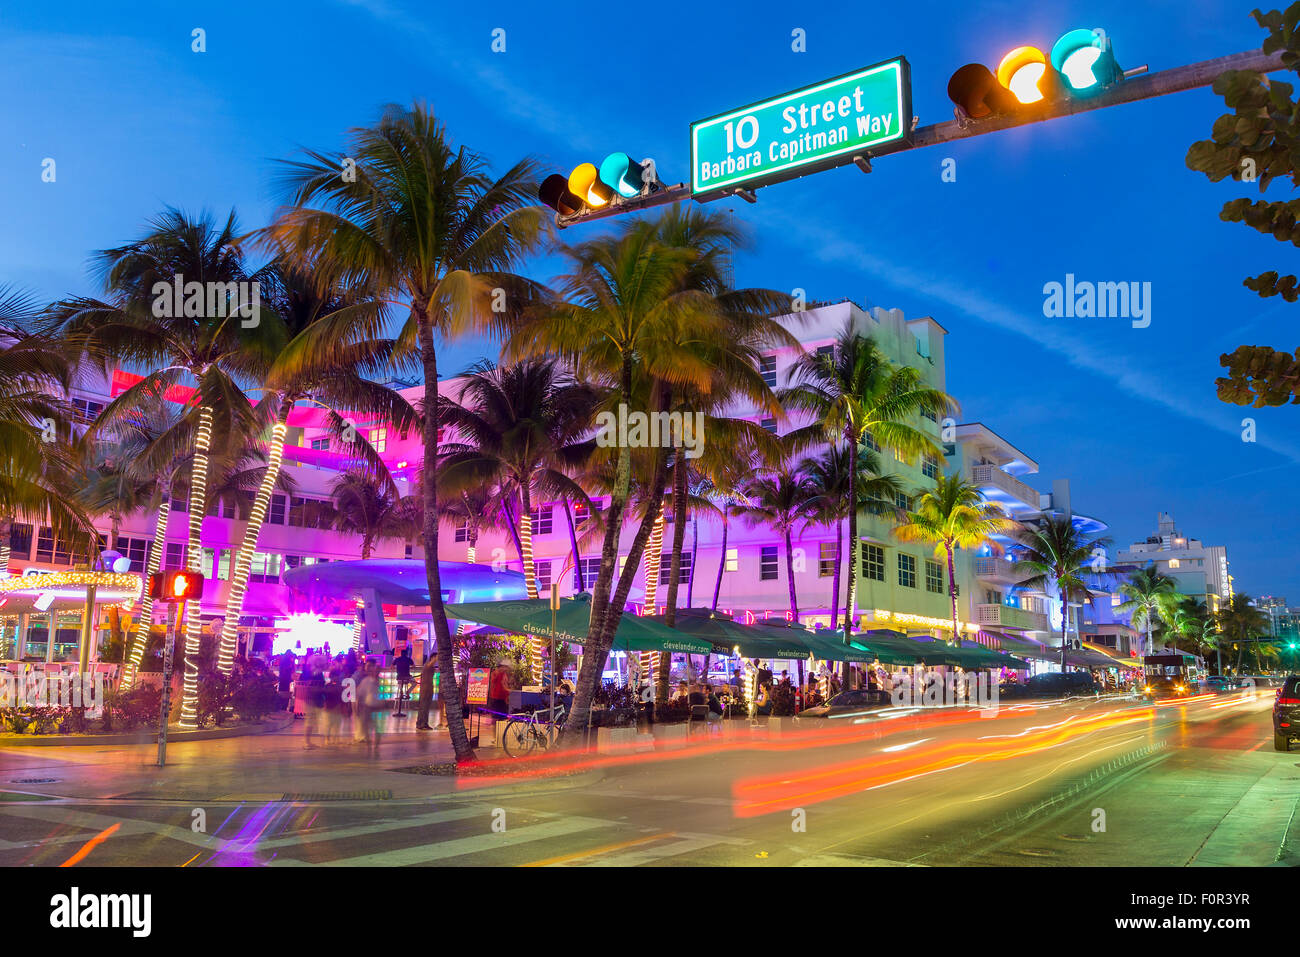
179 585
1081 64
593 187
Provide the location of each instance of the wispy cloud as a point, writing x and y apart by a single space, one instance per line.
1127 376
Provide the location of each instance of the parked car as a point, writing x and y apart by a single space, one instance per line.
1057 684
1222 684
847 703
1286 714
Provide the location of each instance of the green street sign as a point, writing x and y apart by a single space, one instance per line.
811 129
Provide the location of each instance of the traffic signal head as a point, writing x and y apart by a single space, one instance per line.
180 585
1085 60
584 182
1023 71
622 174
554 192
977 91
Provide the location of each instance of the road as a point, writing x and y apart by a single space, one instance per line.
1084 782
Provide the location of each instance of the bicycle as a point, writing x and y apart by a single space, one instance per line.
525 731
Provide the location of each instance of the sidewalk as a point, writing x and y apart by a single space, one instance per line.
264 767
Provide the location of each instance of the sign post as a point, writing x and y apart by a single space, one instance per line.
173 588
169 645
814 128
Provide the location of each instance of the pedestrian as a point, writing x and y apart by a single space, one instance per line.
286 678
763 701
499 691
333 701
313 678
369 707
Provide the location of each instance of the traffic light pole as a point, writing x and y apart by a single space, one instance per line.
169 646
1145 87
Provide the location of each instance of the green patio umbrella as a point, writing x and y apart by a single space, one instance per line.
725 635
532 616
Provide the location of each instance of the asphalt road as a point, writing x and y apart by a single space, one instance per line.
1090 783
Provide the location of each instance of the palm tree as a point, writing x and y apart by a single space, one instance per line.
332 344
1059 555
781 500
204 340
420 224
369 506
1146 593
36 454
953 515
856 396
631 316
875 495
1241 622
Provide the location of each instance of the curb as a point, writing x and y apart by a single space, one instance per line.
136 737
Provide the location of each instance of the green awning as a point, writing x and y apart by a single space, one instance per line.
726 635
532 616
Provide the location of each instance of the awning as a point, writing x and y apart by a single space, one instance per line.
724 635
532 616
891 649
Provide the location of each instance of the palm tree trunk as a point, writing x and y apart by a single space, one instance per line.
140 636
194 554
952 594
722 559
1065 625
595 648
448 686
675 562
536 645
835 581
695 554
853 552
578 577
6 534
789 574
244 557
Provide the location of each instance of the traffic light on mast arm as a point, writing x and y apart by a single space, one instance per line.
617 178
179 585
1081 64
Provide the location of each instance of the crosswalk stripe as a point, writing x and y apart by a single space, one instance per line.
459 847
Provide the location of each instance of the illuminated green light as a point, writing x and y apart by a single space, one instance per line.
622 174
1084 58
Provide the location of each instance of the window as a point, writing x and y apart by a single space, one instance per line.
180 502
929 414
306 512
900 457
580 515
902 501
870 442
265 568
733 559
906 570
767 369
826 559
48 550
826 351
175 557
934 577
767 563
20 540
873 562
1173 563
542 520
666 568
293 561
222 558
136 549
992 597
86 411
226 507
275 516
462 532
930 467
543 573
590 569
321 445
769 425
379 439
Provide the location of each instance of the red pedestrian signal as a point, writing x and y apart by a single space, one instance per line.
177 585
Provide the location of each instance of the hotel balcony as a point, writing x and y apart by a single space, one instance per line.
1005 489
1006 616
1001 571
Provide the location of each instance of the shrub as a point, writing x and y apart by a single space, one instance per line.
215 693
255 696
138 707
673 710
782 700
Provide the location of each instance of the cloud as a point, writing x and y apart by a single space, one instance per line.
1139 382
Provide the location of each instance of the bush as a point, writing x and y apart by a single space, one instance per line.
255 696
675 709
138 707
215 693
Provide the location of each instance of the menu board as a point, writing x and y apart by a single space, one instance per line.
478 685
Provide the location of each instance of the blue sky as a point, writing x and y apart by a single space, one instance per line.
135 120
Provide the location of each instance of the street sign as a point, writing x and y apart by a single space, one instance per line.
811 129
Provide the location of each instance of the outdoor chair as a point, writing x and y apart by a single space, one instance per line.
699 715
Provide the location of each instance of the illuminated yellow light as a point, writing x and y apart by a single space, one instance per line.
903 618
653 559
1021 70
585 183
